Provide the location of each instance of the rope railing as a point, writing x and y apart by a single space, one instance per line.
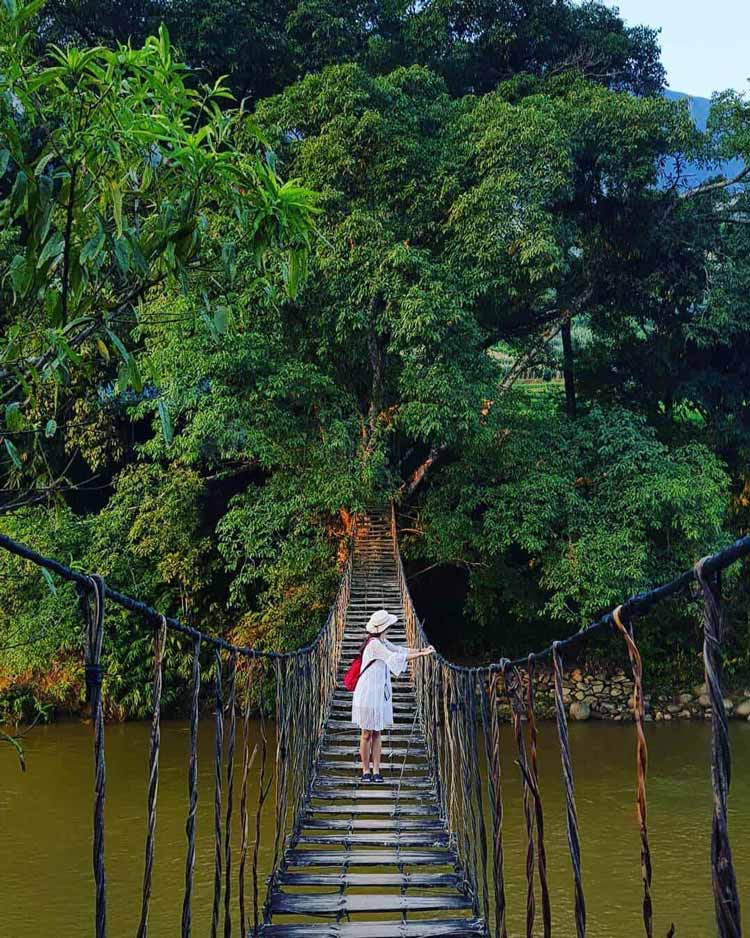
454 699
240 676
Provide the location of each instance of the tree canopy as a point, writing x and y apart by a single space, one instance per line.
446 253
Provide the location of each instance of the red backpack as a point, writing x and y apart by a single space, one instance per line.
355 671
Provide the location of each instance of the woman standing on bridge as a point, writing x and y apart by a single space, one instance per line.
372 707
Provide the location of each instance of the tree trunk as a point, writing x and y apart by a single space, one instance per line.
568 376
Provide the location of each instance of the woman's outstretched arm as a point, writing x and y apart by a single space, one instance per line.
419 652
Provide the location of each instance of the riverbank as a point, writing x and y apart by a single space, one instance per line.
608 695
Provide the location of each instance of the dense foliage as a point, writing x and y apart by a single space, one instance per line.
226 331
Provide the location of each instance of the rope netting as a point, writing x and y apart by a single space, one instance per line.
454 701
300 686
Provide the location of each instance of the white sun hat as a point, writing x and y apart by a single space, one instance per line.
380 621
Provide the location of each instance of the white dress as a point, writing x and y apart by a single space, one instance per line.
372 706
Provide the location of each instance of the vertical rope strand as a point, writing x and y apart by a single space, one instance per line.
160 637
218 758
491 729
94 677
636 665
195 688
232 707
247 762
263 790
541 850
513 691
477 686
571 812
726 896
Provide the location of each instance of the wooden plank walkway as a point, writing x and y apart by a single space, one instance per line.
371 860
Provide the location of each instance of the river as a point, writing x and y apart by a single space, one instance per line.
45 830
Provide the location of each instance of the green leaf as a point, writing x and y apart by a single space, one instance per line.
51 429
11 8
65 348
19 196
296 271
4 160
43 162
103 350
19 273
13 453
122 254
52 249
93 246
220 319
13 417
135 376
48 580
166 422
117 207
117 342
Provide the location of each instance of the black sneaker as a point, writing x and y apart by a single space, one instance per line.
378 778
367 777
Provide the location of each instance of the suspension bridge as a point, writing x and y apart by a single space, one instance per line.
421 855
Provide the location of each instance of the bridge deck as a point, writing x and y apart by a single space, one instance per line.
406 882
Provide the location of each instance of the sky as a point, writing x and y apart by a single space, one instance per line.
705 43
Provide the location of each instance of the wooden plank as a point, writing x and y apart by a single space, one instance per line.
412 751
284 903
420 767
381 810
373 824
372 793
375 880
403 698
390 786
397 857
403 711
393 839
427 928
335 726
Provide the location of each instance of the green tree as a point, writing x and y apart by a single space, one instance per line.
118 170
474 46
556 521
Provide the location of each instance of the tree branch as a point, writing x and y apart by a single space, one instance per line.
68 238
715 186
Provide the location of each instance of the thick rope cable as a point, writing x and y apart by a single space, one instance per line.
726 895
633 607
195 687
160 637
641 768
94 677
571 812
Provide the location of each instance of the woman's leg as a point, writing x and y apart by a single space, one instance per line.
377 742
365 750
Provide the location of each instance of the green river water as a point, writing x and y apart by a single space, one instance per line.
45 830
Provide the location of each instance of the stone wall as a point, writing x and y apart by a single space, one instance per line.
589 694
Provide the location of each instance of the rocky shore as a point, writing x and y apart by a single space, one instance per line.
598 696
